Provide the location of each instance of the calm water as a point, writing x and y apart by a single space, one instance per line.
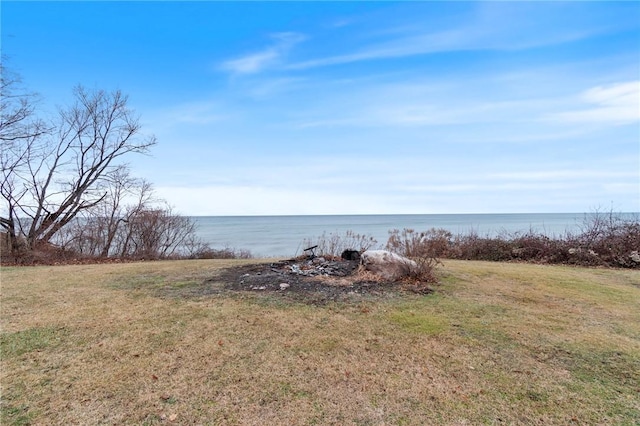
276 236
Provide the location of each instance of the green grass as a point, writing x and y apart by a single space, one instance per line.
32 339
16 416
496 343
420 322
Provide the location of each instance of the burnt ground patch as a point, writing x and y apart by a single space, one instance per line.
314 281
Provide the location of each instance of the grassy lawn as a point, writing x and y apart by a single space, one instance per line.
495 344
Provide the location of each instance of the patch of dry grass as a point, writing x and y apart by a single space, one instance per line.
496 343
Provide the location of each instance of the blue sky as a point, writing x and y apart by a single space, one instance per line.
358 107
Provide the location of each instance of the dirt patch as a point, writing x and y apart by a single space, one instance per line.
315 281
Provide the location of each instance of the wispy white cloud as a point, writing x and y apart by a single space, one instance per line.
617 103
269 56
538 109
252 63
492 27
395 48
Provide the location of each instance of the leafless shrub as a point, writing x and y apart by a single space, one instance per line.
421 247
409 243
471 246
151 233
332 245
226 253
423 272
604 239
533 247
609 237
156 233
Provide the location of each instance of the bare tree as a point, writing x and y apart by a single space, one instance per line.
65 183
20 133
127 245
112 212
68 172
98 231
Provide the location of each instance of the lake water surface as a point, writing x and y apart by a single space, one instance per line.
277 236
